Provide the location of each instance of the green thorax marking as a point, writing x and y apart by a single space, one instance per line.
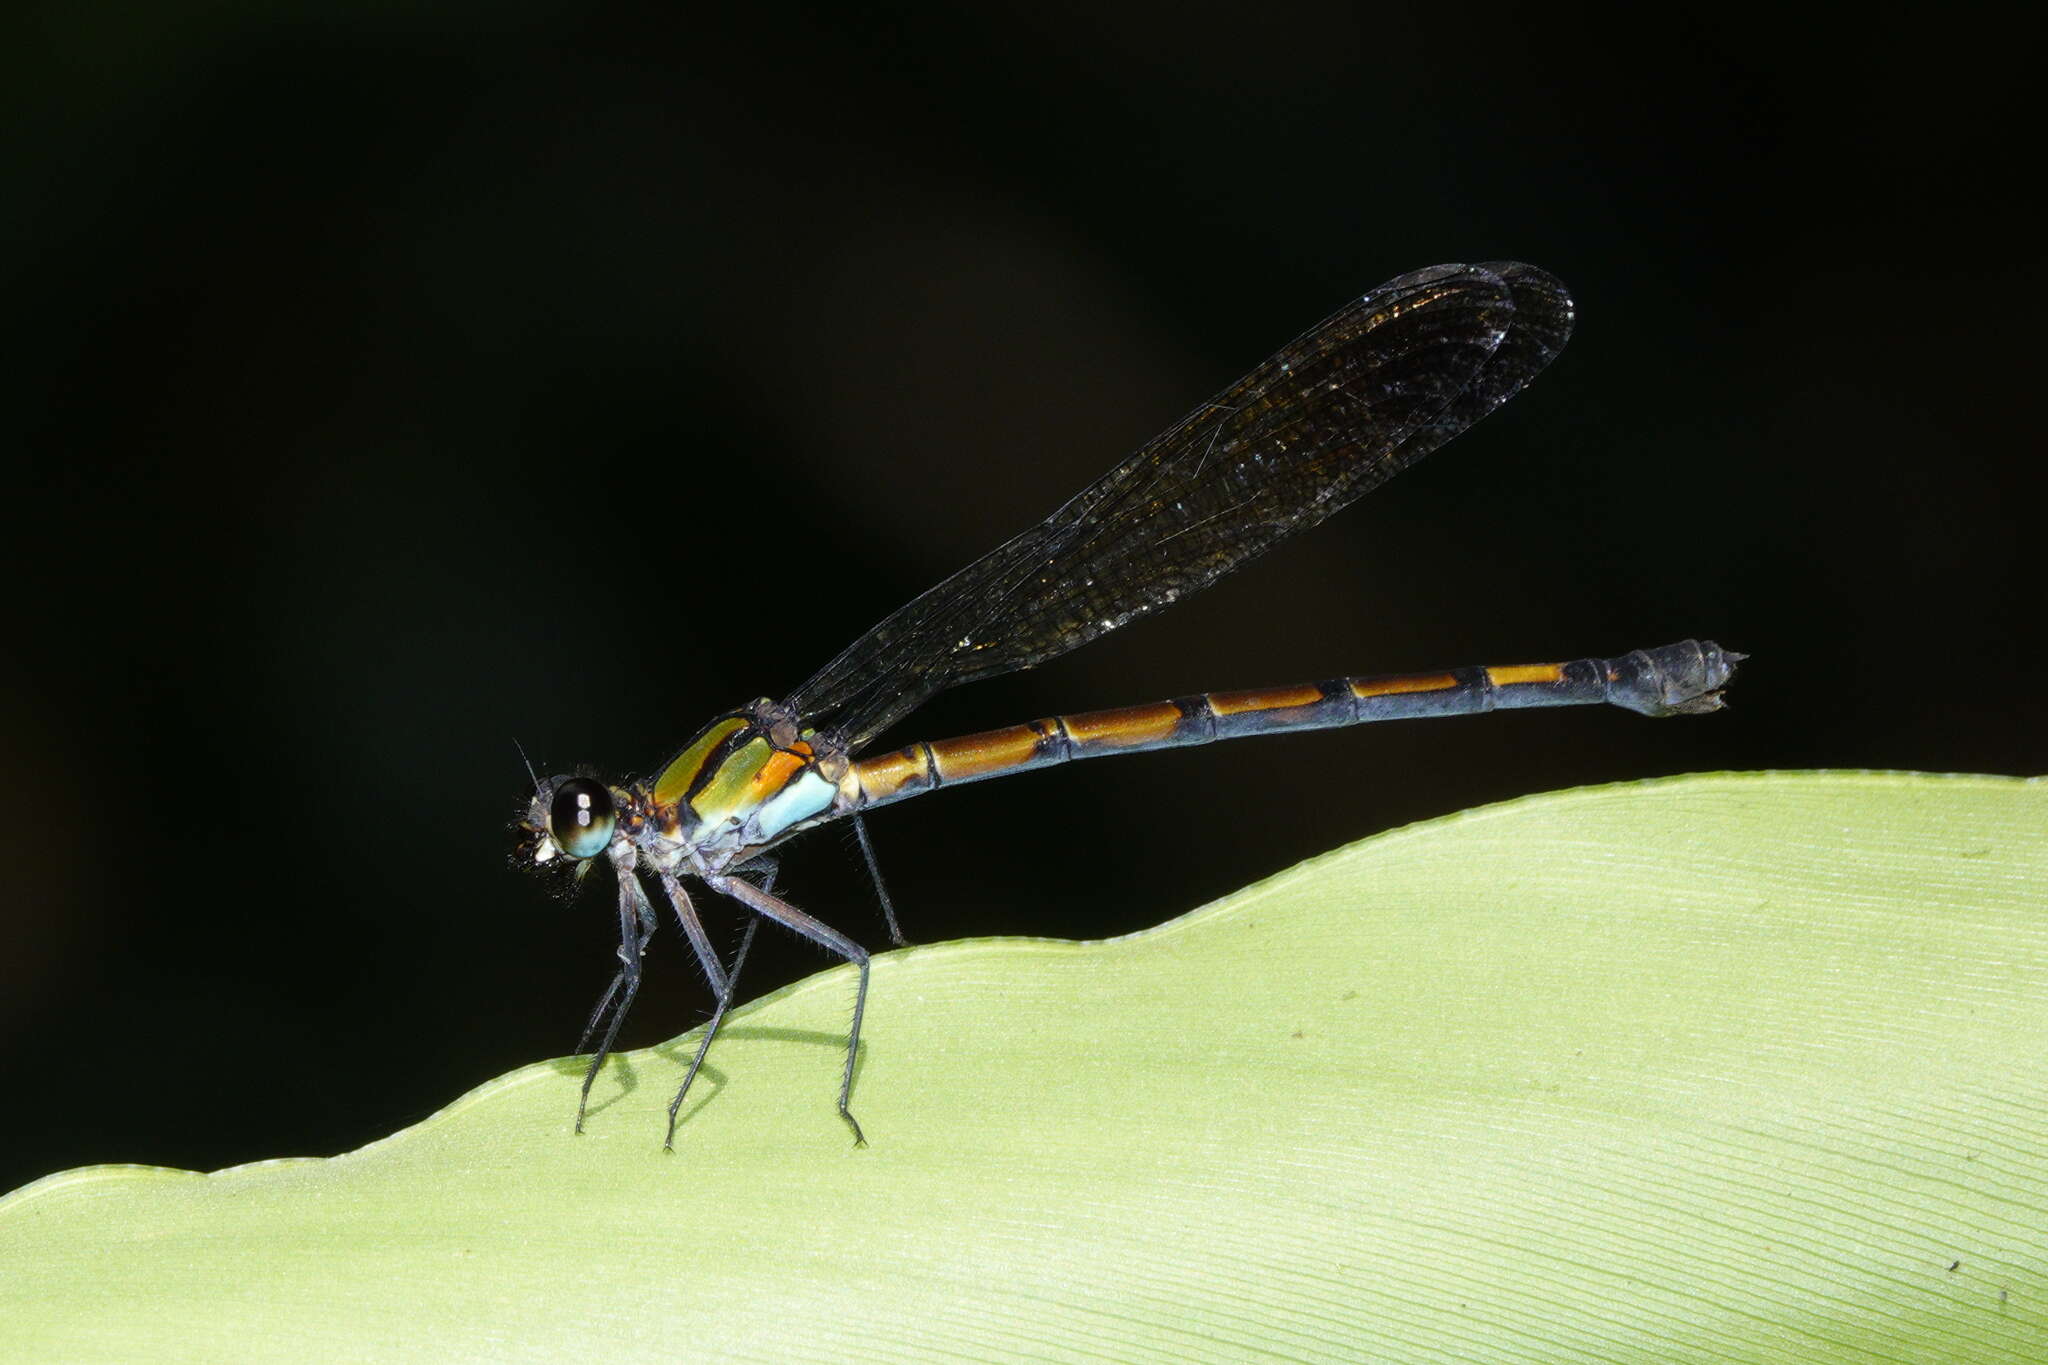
681 774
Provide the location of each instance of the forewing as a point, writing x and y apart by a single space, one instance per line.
1335 413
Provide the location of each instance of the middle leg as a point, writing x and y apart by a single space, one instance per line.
773 907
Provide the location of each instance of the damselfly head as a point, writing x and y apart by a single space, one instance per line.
570 817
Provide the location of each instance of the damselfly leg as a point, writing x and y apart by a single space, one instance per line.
725 987
825 936
867 853
636 925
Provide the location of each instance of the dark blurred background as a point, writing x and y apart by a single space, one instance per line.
392 381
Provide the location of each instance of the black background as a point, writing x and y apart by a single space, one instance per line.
394 381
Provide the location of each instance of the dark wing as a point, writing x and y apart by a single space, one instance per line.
1336 413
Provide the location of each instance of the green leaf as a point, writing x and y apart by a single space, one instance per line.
1721 1068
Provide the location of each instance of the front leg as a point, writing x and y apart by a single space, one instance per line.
636 922
765 903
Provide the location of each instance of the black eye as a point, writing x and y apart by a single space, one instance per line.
580 818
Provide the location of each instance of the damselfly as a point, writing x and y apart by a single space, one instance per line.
1372 389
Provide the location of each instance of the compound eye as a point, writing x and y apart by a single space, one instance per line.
580 818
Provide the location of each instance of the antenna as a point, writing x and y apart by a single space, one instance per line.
527 761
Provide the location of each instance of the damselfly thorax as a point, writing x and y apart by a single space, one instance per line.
748 780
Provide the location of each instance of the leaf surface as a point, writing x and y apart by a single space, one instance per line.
1731 1067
